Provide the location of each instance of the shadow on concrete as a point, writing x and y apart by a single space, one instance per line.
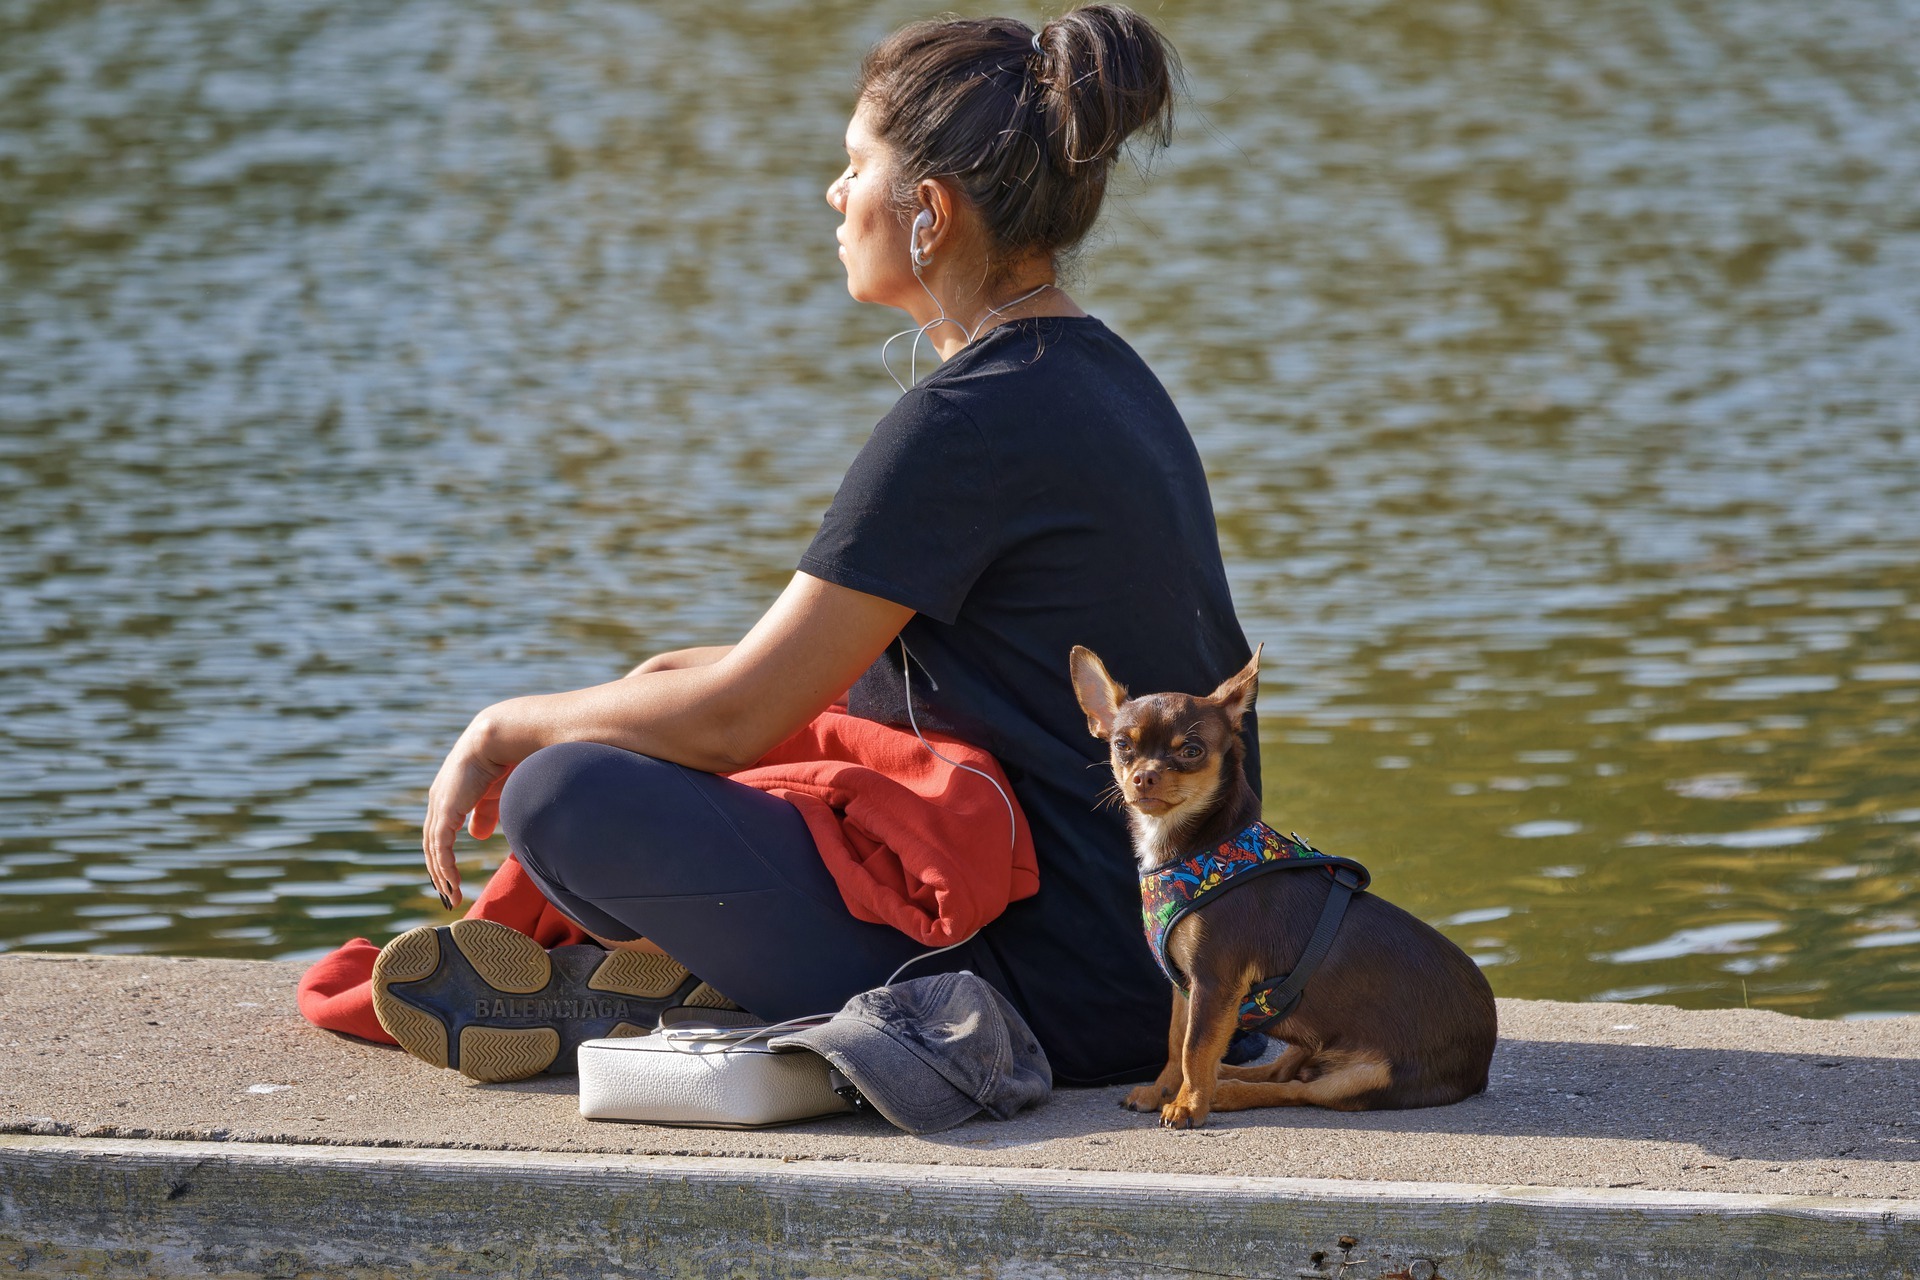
1739 1104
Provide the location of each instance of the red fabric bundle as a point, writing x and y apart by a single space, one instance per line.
912 841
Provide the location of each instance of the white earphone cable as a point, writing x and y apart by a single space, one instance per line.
913 352
906 683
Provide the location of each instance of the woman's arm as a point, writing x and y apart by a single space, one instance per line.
723 715
678 659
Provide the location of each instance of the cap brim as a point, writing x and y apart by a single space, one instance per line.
899 1083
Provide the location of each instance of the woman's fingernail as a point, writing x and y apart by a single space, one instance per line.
445 901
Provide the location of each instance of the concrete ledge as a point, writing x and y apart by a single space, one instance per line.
1583 1095
106 1207
175 1117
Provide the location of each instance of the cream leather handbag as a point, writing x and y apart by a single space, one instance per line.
674 1077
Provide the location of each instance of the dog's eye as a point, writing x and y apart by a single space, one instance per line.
1122 747
1192 751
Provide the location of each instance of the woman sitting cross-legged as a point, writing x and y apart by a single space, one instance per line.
1036 491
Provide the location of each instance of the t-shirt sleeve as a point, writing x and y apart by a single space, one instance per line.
915 519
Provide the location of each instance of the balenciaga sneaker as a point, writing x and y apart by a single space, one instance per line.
493 1004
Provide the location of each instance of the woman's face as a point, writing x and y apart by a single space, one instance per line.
872 233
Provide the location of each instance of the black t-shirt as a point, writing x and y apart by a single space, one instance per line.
1040 491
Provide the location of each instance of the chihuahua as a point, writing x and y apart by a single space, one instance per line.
1393 1016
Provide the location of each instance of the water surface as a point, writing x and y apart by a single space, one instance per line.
361 364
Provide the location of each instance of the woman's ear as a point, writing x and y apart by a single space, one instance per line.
1235 694
937 198
1098 694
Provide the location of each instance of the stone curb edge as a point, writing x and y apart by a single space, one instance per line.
160 1207
1212 1189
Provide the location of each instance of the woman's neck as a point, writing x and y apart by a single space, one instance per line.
1021 299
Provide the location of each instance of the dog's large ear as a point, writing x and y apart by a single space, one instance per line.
1100 697
1235 694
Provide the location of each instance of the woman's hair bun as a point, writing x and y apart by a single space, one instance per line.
1106 74
1026 124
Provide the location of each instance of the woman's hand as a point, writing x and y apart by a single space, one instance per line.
466 791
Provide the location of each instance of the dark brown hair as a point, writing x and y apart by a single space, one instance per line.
1028 136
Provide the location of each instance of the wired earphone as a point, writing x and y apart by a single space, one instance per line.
921 221
920 258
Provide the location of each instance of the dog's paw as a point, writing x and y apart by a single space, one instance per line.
1148 1097
1183 1113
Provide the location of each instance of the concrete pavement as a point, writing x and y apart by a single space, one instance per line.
1597 1114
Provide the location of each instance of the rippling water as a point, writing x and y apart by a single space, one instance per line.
361 364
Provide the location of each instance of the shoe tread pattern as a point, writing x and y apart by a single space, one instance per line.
493 1054
705 997
411 956
417 1031
505 959
454 996
635 973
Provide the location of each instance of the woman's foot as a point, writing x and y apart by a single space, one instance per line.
491 1003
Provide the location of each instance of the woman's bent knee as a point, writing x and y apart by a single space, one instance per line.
574 800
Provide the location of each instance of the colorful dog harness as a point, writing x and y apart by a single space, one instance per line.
1169 892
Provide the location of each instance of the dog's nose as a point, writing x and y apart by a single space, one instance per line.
1145 779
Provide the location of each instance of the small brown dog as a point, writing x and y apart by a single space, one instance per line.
1394 1015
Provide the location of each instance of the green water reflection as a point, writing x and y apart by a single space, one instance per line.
361 364
1635 813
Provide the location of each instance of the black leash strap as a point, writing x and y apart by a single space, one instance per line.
1286 992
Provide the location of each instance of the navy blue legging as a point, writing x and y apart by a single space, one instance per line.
722 877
